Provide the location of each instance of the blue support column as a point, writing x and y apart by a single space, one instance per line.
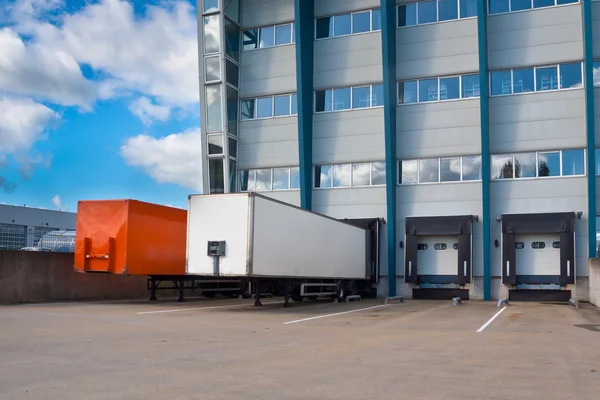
304 33
388 46
590 123
484 101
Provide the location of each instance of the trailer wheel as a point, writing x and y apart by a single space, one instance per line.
295 295
341 291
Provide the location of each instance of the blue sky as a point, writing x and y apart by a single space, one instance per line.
98 100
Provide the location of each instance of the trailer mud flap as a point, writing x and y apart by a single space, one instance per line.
410 259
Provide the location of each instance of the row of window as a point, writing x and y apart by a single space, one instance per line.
432 11
349 175
346 24
440 169
537 79
538 164
269 107
348 98
269 179
438 89
268 36
507 6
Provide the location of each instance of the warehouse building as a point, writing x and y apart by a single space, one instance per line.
469 126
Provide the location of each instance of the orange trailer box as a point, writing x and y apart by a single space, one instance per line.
130 237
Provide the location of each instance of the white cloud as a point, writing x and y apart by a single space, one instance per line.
173 159
58 203
146 111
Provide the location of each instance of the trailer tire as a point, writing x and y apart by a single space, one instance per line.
295 295
341 291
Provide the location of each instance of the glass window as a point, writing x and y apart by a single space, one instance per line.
215 175
342 24
247 109
573 162
376 19
427 11
407 92
295 178
501 82
282 105
341 98
214 114
232 175
232 143
232 72
559 2
215 144
324 100
378 173
264 107
470 86
549 164
543 3
324 27
428 90
523 81
468 8
323 176
596 73
377 95
571 75
410 172
547 78
281 178
502 166
525 165
517 5
361 174
232 111
407 14
250 39
447 10
361 97
294 104
450 88
267 37
232 39
450 169
283 34
212 34
211 5
498 6
341 175
246 180
212 69
471 168
429 170
361 22
232 9
263 179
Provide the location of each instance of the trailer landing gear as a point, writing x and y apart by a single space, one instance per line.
257 294
286 295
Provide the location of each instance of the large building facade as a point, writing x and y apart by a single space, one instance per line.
468 125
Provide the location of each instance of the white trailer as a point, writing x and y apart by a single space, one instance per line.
260 239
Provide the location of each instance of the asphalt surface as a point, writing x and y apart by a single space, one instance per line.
228 349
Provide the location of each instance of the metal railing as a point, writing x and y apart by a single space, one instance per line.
53 241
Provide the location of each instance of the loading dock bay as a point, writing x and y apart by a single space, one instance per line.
229 349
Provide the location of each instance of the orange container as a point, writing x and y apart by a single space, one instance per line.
130 237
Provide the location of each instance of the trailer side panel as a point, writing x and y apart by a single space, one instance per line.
291 242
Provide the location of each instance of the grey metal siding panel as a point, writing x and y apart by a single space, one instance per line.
288 196
438 129
596 27
270 142
349 136
268 71
266 12
537 121
540 195
348 60
328 7
535 37
442 199
437 49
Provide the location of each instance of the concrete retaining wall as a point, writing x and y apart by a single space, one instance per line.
31 276
594 281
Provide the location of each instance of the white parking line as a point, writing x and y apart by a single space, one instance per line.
331 315
490 321
203 308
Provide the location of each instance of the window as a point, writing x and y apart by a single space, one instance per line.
263 179
268 107
505 6
214 114
538 245
232 175
281 178
247 109
295 178
294 104
348 24
523 80
440 246
440 170
250 39
350 175
426 12
438 89
282 105
283 34
215 144
597 151
232 143
432 11
407 14
264 107
215 175
447 10
232 71
211 5
501 82
546 78
212 34
530 79
212 69
232 9
232 39
232 111
596 73
346 98
540 164
268 36
468 8
571 75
